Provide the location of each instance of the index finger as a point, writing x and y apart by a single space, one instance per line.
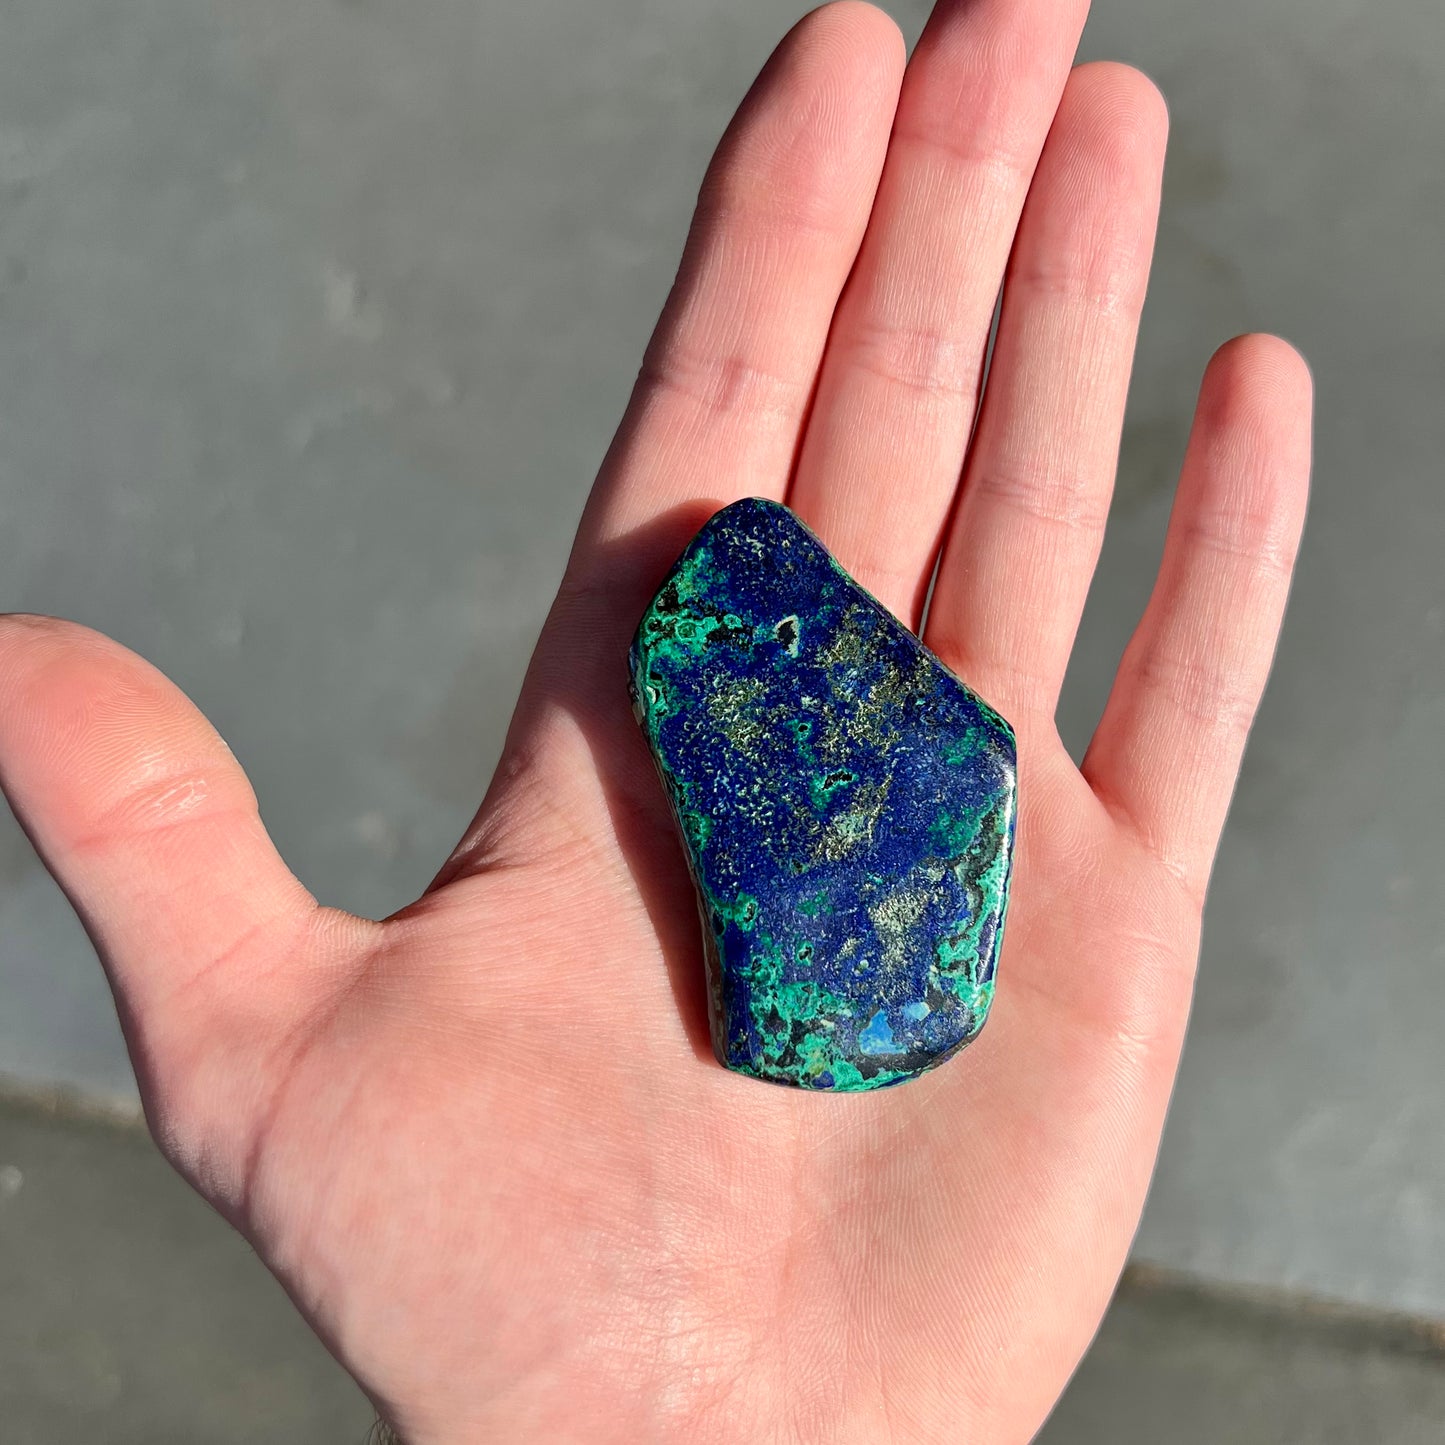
719 406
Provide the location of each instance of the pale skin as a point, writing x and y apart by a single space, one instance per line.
483 1143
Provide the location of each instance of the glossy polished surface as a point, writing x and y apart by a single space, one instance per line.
847 806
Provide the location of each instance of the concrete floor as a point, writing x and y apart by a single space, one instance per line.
135 1316
315 316
1178 1365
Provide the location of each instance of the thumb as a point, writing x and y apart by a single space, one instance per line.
215 953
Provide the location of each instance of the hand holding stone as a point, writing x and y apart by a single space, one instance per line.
485 1144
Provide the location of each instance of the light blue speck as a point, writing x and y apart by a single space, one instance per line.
877 1038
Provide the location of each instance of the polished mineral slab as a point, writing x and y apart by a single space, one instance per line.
846 803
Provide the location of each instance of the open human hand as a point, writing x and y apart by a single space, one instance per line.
483 1143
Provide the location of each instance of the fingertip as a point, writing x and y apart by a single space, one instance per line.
1260 364
852 56
808 141
1124 105
27 635
863 29
1258 389
31 641
849 49
55 676
67 668
90 733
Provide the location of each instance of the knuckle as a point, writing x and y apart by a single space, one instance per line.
1201 688
724 382
918 359
1257 541
1043 492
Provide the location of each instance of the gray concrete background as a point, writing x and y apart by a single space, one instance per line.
315 318
135 1316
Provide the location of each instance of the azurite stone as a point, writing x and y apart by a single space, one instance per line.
846 803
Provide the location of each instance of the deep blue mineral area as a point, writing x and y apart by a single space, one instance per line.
846 803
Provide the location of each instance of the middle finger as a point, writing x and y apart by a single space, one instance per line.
899 383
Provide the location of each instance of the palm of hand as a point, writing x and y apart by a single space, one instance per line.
483 1143
522 1156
